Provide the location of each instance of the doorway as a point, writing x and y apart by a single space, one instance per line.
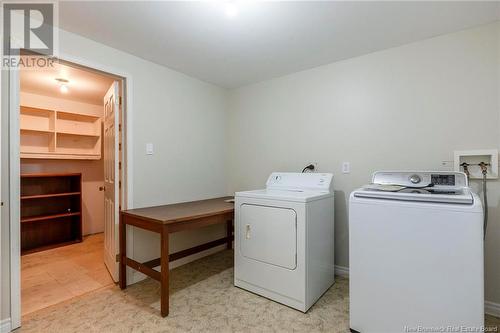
71 154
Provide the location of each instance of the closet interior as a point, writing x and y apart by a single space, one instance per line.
62 183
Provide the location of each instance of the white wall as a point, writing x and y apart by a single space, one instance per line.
186 120
404 108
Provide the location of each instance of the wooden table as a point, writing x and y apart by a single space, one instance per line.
169 219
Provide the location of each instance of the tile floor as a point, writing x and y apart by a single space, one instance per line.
56 275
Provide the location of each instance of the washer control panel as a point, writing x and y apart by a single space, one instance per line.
445 179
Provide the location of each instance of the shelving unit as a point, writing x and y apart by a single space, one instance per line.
52 134
50 210
39 196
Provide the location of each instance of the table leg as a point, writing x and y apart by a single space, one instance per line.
229 233
164 272
123 252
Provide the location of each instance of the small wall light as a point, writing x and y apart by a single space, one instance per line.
231 10
63 85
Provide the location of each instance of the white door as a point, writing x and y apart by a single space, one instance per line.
111 179
269 234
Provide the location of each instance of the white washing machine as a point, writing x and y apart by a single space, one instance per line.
284 238
416 254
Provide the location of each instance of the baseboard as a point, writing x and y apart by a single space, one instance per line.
492 308
138 276
342 271
5 326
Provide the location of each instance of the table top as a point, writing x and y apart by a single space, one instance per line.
184 211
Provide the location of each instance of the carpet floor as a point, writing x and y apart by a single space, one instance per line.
203 299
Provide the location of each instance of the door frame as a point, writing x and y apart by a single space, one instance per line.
15 165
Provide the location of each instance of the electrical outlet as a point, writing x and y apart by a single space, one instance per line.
346 167
149 149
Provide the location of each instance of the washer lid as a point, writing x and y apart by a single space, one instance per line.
456 196
285 195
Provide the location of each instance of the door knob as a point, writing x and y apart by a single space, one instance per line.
102 188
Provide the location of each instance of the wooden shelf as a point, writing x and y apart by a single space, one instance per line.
37 119
36 130
67 156
37 142
78 124
79 134
50 175
77 116
74 144
54 195
51 206
50 134
48 217
49 247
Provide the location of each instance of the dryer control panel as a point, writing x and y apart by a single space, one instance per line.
293 181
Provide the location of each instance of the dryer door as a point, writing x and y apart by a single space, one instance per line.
269 234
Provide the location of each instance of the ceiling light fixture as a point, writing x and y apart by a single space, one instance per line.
63 85
231 10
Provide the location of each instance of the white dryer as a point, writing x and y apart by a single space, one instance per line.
416 254
284 238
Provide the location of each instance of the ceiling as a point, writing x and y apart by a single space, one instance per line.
83 86
241 42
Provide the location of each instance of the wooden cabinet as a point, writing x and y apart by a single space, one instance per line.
59 134
51 210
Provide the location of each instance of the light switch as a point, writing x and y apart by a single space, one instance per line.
346 167
149 149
